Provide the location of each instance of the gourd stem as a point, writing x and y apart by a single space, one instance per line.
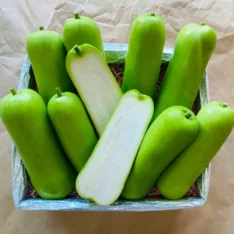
13 91
141 97
77 49
77 16
202 23
188 115
152 14
224 104
58 91
41 28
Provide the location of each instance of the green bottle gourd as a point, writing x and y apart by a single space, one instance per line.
169 134
73 127
143 59
216 120
47 55
82 30
194 46
25 117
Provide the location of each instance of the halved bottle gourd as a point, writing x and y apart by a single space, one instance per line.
103 176
94 82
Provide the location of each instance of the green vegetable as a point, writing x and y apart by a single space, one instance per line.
82 30
94 82
47 54
103 176
73 127
193 49
143 60
170 133
216 121
25 117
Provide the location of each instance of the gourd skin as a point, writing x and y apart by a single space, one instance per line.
82 30
169 134
216 120
194 46
47 55
143 59
73 127
25 118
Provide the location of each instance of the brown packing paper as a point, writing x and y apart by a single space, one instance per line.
19 18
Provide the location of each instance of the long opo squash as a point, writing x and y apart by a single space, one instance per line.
194 46
25 117
103 176
143 60
216 121
47 55
73 127
82 30
94 82
170 133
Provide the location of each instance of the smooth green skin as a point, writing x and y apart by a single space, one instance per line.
73 128
170 133
194 46
143 59
215 121
82 30
25 118
47 54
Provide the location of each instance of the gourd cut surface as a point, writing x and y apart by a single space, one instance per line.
95 84
105 173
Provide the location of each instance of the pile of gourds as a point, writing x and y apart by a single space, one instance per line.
82 130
